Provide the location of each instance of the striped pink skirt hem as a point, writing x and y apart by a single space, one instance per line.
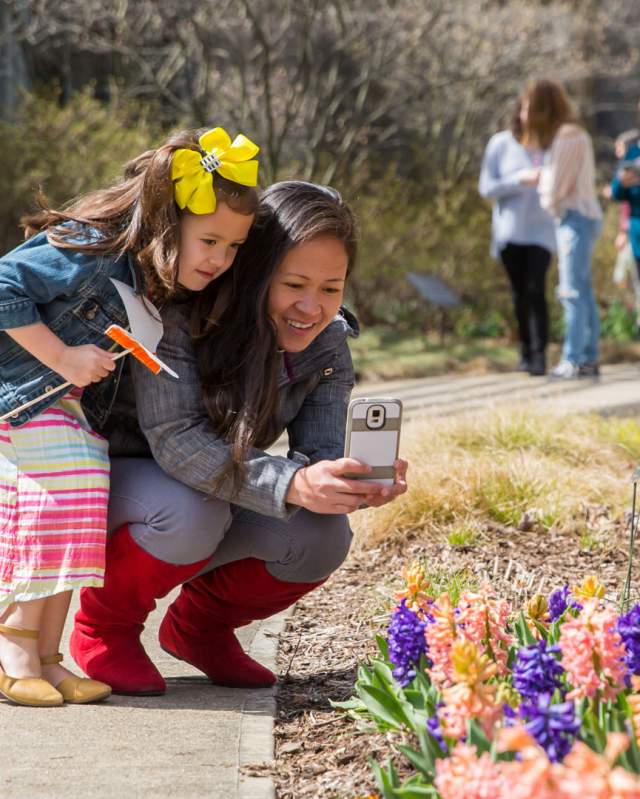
54 491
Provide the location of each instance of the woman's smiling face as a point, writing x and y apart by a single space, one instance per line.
307 290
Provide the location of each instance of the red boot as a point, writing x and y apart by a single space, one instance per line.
198 626
105 641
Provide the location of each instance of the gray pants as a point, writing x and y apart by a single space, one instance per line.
177 524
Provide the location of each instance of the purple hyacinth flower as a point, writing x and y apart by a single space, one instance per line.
433 725
629 629
536 670
406 641
558 601
554 727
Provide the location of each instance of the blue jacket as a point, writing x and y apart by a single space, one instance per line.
632 196
71 292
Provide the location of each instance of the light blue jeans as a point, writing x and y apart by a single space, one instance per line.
576 235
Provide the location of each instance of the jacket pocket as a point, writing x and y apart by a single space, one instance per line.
96 316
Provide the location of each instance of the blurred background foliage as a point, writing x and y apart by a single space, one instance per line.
392 101
66 149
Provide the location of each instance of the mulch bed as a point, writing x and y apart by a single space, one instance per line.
321 752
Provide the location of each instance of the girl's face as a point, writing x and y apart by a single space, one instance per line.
307 290
208 244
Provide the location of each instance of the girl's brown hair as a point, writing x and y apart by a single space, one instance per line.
237 349
548 108
137 215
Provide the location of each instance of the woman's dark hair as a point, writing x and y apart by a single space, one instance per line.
138 215
236 346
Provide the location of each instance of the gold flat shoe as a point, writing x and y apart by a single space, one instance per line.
77 690
28 691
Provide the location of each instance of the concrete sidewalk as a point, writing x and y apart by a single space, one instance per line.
188 744
191 743
616 392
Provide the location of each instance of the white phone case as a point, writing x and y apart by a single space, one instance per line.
373 436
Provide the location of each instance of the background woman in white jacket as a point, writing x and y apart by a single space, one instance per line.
567 190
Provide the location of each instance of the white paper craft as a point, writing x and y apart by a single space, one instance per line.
146 327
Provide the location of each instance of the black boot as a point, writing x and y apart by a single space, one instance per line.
537 364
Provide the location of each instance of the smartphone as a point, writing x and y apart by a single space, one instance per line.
373 436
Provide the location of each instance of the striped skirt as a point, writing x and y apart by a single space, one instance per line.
54 489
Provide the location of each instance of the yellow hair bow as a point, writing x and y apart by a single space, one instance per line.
192 172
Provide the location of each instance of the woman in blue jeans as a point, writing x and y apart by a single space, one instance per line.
246 533
567 190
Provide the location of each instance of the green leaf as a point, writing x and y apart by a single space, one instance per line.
384 706
416 779
554 632
476 736
590 727
365 675
525 636
633 755
383 647
350 704
415 698
383 673
541 629
423 665
421 760
422 681
383 779
415 791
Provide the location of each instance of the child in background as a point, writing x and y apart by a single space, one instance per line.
168 228
627 262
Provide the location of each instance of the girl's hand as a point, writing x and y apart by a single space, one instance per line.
323 487
389 493
84 364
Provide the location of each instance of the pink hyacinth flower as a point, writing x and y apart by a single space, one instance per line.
593 652
464 775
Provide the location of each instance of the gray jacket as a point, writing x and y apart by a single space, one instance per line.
315 386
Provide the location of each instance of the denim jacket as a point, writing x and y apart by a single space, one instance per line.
314 390
72 294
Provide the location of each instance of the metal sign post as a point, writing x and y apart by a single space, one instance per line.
436 292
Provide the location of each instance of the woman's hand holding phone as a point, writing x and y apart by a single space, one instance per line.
323 487
389 493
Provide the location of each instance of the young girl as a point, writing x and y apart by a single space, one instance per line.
170 227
